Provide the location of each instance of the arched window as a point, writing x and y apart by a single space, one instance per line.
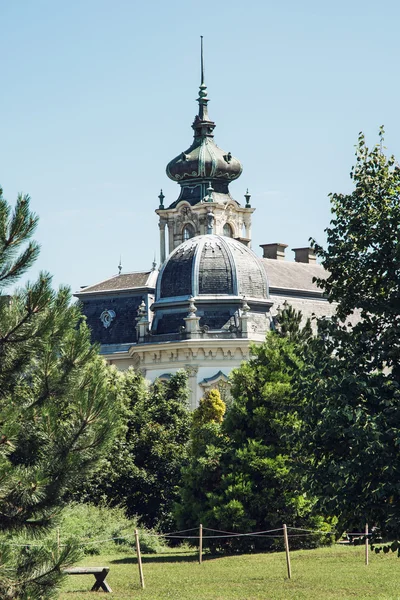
188 232
227 230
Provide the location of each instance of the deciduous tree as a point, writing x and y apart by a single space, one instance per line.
351 428
143 469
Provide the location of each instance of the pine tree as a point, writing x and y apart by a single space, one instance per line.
56 416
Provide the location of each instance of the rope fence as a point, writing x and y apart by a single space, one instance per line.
176 535
285 532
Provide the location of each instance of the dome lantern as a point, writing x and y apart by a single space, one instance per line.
204 163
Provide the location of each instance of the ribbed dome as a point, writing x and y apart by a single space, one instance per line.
212 265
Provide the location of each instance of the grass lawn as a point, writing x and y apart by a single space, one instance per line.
337 572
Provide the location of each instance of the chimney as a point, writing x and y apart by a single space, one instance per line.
304 255
243 240
275 251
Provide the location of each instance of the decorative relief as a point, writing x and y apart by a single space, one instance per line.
218 382
228 157
186 211
107 317
210 221
191 370
194 356
192 174
186 215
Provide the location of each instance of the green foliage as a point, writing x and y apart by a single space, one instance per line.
363 255
202 474
95 530
143 468
242 476
82 523
56 408
351 428
288 324
325 573
211 409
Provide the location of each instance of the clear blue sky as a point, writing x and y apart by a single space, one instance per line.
97 97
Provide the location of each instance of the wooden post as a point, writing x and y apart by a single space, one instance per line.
366 543
201 544
285 537
58 543
139 558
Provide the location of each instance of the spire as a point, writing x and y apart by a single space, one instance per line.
202 124
203 163
119 266
202 61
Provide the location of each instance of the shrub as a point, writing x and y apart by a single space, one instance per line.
99 530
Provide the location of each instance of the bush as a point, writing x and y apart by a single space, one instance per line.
87 525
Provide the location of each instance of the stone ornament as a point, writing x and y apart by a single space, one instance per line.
192 307
245 306
107 317
191 370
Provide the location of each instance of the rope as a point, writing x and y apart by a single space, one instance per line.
28 544
233 533
312 531
181 531
226 534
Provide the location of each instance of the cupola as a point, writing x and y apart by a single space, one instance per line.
216 273
203 172
203 163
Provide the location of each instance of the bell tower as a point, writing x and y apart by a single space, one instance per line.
203 172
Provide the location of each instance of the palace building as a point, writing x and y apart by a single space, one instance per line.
212 295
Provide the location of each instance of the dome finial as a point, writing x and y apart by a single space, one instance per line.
161 198
203 161
202 62
202 125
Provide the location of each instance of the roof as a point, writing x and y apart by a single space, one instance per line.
212 265
124 281
288 275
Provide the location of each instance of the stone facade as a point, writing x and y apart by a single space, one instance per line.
202 218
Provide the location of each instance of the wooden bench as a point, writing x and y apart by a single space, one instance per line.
100 574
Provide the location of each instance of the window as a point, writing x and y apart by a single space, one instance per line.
227 230
188 232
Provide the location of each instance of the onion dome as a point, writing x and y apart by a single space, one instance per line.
204 162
